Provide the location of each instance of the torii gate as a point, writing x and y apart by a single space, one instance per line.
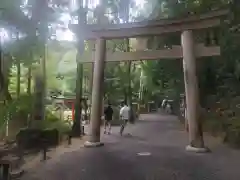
188 51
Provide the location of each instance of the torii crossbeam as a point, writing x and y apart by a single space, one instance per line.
150 28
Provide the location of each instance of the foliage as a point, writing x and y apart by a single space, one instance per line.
52 122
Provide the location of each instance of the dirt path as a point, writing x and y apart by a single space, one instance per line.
156 150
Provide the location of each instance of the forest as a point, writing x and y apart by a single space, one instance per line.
38 41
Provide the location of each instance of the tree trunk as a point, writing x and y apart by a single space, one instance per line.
77 125
18 77
91 81
1 84
141 89
125 95
129 65
76 129
1 75
44 70
129 91
29 82
38 107
44 78
29 92
4 82
90 90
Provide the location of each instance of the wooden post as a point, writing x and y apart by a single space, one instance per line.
192 94
97 95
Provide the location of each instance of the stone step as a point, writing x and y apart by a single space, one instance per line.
17 173
12 159
15 165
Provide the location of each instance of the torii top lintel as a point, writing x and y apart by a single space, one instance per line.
148 28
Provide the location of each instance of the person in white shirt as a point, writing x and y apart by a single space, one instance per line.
124 115
164 104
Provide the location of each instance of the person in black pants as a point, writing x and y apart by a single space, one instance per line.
108 113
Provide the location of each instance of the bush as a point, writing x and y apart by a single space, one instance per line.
222 121
24 104
51 136
18 110
51 117
28 138
36 138
52 121
232 136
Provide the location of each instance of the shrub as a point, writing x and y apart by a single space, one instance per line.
233 133
222 120
52 121
51 117
36 138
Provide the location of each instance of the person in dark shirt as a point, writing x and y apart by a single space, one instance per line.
108 113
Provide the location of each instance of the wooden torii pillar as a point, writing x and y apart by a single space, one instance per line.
192 93
188 50
97 84
97 94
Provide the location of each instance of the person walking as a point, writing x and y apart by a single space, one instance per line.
164 104
124 115
108 116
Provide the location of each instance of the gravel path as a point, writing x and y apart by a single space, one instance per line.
161 142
